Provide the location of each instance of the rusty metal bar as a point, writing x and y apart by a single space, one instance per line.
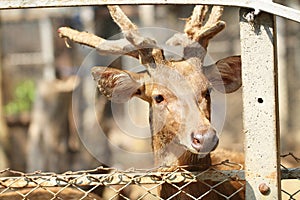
260 105
119 178
266 6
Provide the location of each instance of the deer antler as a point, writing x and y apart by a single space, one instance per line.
194 26
115 47
149 53
135 45
196 30
196 20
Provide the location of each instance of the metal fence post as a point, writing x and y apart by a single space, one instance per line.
261 126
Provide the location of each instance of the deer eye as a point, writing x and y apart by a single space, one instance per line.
159 98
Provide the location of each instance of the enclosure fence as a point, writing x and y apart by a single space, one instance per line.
262 174
129 184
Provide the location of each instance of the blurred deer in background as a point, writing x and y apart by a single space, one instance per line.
178 92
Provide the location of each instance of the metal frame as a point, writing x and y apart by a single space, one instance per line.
122 178
259 5
260 105
259 74
118 178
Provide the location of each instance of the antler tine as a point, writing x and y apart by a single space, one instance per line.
216 14
114 47
202 34
195 20
121 19
149 53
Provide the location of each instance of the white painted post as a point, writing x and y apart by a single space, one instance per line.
261 125
47 48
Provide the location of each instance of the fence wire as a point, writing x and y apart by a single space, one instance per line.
111 183
290 184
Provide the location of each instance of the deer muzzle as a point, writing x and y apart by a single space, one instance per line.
204 142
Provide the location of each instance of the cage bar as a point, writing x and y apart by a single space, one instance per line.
258 5
260 106
118 178
123 178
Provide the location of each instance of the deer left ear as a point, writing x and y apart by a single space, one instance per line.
225 75
118 85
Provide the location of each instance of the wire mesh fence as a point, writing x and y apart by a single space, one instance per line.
110 183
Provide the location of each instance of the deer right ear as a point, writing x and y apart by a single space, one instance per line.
118 85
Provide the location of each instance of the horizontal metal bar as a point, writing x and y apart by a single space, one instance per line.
258 5
119 178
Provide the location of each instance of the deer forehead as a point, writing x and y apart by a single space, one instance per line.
181 80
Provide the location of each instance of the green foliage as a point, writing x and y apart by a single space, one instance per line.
23 98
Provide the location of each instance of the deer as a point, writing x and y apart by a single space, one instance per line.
178 92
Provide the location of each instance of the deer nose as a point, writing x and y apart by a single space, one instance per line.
204 141
197 141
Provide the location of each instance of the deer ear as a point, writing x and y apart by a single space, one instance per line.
118 85
225 75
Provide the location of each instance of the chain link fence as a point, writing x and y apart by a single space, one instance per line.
110 183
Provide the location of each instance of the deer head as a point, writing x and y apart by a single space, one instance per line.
178 92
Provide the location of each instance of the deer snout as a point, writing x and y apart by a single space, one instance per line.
204 142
